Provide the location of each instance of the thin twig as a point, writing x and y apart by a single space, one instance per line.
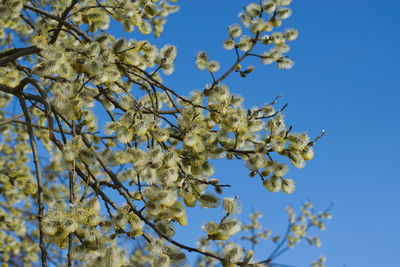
38 179
61 21
316 139
16 53
13 119
59 26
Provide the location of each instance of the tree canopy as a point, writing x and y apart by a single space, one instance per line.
99 151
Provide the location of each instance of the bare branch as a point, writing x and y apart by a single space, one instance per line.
38 179
16 53
316 139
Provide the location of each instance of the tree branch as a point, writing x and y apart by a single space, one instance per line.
63 16
16 53
38 179
61 21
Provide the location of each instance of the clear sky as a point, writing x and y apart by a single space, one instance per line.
346 81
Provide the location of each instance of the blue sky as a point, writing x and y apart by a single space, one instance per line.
346 81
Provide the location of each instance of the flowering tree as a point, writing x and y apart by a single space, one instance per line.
93 183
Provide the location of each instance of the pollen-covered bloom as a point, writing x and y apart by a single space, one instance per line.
284 2
232 252
273 184
202 60
258 26
245 43
11 78
296 159
176 256
230 227
234 31
298 141
269 6
288 186
244 19
271 56
213 66
253 10
209 201
162 261
168 53
231 205
308 153
285 63
291 34
228 44
277 143
267 59
277 38
284 13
